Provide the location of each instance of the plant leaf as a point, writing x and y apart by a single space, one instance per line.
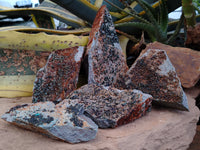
39 41
61 15
16 86
36 30
171 5
176 32
130 27
148 12
150 8
84 9
131 14
164 16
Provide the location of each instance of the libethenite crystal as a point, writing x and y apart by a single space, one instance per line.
105 57
59 76
109 107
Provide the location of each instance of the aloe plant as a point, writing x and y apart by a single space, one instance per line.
189 12
156 24
154 20
87 11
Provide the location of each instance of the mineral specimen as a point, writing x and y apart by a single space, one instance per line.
153 73
188 70
193 35
59 76
105 58
109 107
63 122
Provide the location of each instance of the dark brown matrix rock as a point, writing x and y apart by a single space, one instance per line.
188 70
153 73
105 58
59 77
109 107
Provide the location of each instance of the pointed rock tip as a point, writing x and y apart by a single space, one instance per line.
153 73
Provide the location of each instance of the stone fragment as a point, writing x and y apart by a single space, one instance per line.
186 62
109 107
193 37
153 73
161 129
105 56
66 123
59 76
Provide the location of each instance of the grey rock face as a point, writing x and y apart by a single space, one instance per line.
153 73
109 107
105 57
66 122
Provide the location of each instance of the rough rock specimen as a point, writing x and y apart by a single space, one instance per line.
193 36
63 122
160 129
185 61
59 76
109 107
105 57
154 74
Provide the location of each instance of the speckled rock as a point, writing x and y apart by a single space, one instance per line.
193 36
105 57
59 76
153 73
62 122
188 70
109 107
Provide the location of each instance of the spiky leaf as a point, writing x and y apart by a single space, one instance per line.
163 16
131 26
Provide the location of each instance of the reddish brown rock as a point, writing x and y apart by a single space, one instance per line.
62 122
105 58
185 61
59 76
109 107
193 37
154 74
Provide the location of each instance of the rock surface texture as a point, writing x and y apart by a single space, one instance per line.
154 74
105 56
63 122
59 77
186 62
109 107
161 129
193 36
